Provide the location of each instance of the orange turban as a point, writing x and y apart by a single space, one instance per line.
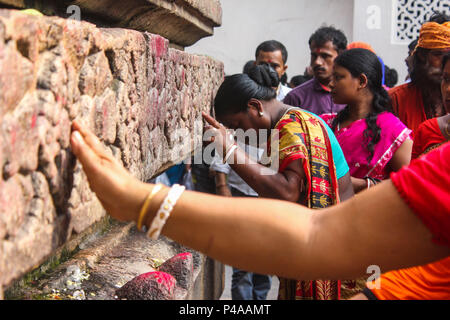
360 45
434 36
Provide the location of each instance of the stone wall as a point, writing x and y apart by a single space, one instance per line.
134 91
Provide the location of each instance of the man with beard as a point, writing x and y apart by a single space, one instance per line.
421 99
315 95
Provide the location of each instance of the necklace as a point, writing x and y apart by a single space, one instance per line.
447 131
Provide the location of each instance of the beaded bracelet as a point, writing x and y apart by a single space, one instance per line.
164 211
144 208
229 153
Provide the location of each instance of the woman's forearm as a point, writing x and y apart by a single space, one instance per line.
260 235
286 239
375 227
267 182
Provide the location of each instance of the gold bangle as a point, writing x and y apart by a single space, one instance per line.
144 208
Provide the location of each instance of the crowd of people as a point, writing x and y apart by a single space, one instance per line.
363 175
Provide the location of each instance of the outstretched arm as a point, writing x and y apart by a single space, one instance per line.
268 183
270 236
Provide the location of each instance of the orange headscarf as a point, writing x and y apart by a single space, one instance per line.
361 45
434 36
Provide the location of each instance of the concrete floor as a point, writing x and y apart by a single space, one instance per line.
226 295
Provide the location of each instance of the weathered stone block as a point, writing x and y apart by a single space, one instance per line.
130 88
181 267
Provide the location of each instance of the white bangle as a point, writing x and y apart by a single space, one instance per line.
164 211
229 153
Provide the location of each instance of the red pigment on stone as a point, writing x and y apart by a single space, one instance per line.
165 279
61 99
33 121
148 286
13 137
183 256
160 46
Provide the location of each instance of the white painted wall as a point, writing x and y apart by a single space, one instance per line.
373 24
247 23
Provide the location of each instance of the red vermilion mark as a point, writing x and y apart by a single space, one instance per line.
13 136
33 121
160 46
164 279
183 256
61 99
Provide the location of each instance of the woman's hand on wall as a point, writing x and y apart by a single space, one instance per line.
120 193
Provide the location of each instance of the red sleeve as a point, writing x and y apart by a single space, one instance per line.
427 135
425 187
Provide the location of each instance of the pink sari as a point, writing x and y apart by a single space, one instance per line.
352 142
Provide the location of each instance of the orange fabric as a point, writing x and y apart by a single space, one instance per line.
361 45
434 36
430 282
428 136
407 104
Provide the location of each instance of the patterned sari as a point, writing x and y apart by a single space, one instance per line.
303 136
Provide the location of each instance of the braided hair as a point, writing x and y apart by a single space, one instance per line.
237 90
362 61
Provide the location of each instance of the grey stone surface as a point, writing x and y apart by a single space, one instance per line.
122 265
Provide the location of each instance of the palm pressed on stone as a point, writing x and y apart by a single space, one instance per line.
119 192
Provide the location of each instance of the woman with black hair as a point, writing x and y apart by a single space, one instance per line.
374 141
312 170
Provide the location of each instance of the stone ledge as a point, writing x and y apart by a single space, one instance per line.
113 260
182 22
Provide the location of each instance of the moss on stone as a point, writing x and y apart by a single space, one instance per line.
27 287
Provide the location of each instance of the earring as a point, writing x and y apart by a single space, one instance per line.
261 113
